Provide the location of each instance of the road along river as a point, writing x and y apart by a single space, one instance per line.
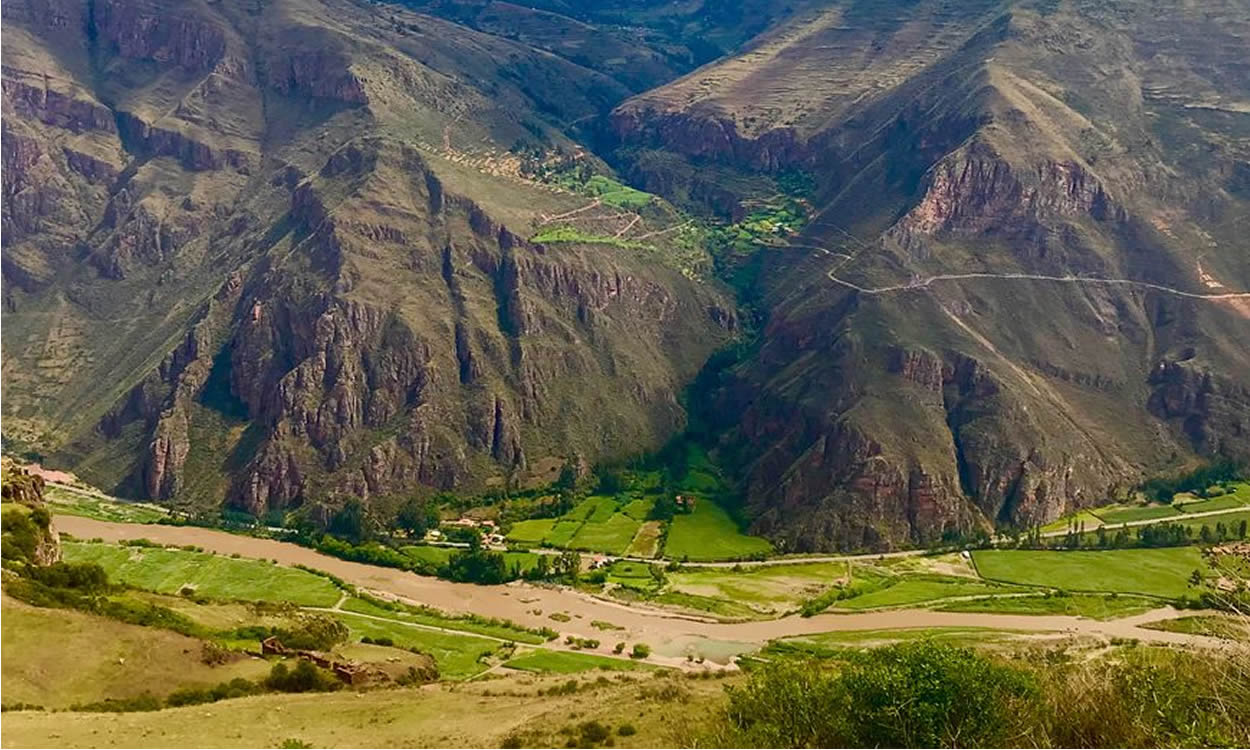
671 636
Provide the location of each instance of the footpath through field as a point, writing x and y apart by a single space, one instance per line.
529 604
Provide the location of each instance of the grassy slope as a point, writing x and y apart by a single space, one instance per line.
55 658
1155 572
472 715
166 571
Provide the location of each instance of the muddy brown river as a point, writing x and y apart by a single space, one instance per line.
671 635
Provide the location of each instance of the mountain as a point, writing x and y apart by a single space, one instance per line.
279 253
909 383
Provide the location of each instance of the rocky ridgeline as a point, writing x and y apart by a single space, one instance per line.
25 490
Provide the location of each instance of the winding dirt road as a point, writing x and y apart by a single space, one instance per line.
671 636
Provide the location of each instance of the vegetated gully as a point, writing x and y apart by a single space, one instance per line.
669 634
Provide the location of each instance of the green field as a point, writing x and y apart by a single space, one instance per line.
1228 502
616 194
458 656
532 531
562 533
612 536
1230 627
1230 520
70 503
639 508
822 644
168 571
571 662
1114 515
428 553
709 533
1095 606
720 607
918 590
1154 572
478 626
766 588
604 508
582 510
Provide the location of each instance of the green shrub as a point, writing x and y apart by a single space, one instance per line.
626 730
641 651
306 677
923 694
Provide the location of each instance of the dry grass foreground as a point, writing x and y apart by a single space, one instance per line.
479 714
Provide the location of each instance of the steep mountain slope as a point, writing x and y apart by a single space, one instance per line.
912 379
277 253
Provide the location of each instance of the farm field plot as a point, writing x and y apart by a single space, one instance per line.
826 643
1090 520
775 587
709 533
632 575
919 590
1227 502
571 662
427 553
646 542
1096 606
724 608
479 626
167 571
70 503
562 533
1160 572
458 656
639 508
532 531
1113 515
604 508
613 535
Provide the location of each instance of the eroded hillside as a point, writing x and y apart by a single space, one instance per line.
273 253
1021 287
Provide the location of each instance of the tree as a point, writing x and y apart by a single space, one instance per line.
568 564
350 522
567 480
664 509
416 517
610 481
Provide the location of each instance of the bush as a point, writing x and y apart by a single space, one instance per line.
593 732
316 632
306 677
626 730
641 651
922 694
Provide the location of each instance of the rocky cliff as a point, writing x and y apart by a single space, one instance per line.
994 315
279 256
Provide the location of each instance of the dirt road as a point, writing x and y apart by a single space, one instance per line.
670 635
